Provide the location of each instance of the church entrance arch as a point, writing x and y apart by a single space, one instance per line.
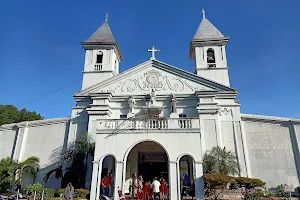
108 176
148 159
186 176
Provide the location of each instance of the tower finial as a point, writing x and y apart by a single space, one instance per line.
106 17
203 13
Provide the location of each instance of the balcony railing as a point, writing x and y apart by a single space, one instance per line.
98 67
181 123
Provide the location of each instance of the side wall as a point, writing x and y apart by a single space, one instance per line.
43 138
273 149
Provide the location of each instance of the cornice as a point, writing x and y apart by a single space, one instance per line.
35 123
268 119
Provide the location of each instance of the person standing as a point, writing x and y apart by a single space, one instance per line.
110 184
162 188
69 192
105 186
155 187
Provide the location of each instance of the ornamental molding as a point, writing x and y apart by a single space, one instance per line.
156 80
208 111
99 112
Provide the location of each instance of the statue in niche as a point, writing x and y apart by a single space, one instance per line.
174 104
131 103
152 97
211 56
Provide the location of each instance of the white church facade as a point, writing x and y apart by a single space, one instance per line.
155 119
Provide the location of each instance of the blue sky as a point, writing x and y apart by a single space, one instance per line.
40 49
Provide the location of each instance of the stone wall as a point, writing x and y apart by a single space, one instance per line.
273 149
42 138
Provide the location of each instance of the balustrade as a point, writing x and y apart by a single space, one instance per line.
98 67
181 123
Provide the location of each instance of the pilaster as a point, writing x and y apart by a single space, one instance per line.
173 175
94 180
246 151
98 182
24 142
295 146
118 178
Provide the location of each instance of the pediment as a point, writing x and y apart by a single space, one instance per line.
153 74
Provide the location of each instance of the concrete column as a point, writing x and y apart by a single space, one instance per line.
94 180
98 182
118 178
178 181
199 183
173 179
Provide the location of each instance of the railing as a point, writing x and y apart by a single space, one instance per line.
98 67
181 123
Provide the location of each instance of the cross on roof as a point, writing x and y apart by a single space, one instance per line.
153 50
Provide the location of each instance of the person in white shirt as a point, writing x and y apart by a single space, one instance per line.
155 188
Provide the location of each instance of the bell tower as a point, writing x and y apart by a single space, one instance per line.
207 49
102 56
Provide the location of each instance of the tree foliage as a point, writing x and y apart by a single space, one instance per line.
77 155
29 166
6 174
220 161
215 184
10 114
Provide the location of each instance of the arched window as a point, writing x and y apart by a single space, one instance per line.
211 56
99 57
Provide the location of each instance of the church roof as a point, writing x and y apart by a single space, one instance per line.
102 34
207 30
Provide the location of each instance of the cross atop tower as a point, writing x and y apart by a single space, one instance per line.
106 17
153 50
203 13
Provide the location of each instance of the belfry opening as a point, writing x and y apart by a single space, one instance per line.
148 160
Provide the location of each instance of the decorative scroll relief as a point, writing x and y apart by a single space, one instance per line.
224 111
153 79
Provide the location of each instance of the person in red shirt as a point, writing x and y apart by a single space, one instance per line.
146 190
105 186
110 180
162 188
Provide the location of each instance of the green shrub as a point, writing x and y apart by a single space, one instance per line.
36 187
49 193
82 192
61 191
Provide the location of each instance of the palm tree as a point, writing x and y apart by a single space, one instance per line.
30 166
58 171
221 161
77 154
209 163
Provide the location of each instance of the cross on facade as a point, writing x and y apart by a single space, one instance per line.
153 50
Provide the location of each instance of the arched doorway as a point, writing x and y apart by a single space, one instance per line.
148 159
108 176
187 176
